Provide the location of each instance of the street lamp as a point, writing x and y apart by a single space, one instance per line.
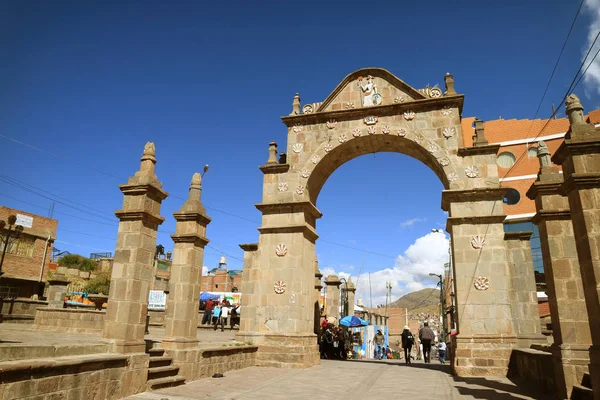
204 170
11 234
442 307
388 293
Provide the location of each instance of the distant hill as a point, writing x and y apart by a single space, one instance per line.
421 301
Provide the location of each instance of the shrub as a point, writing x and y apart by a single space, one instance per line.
98 284
76 261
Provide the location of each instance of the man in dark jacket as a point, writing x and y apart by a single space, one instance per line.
206 318
407 342
426 336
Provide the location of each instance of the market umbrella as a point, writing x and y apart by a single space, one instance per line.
204 296
353 321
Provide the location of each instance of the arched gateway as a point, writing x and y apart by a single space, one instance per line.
370 111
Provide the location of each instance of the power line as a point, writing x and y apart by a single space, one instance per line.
426 298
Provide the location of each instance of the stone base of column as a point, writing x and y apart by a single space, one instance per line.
281 350
483 355
126 347
571 362
525 341
178 343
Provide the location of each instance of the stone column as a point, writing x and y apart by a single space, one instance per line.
351 290
181 319
249 286
564 286
132 269
57 290
317 306
523 292
579 156
332 297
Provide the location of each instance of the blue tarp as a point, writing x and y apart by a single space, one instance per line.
352 320
204 296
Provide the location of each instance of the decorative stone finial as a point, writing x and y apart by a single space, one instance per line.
574 110
449 81
543 154
195 187
272 153
479 137
148 160
296 105
282 158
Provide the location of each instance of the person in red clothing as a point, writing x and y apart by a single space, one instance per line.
206 318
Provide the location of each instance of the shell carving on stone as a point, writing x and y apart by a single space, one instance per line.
446 111
300 190
435 92
298 147
332 123
281 250
371 130
328 148
349 105
386 130
401 132
418 139
356 132
398 99
478 242
342 138
482 283
314 159
452 176
409 115
444 161
297 128
282 187
305 173
472 171
307 109
432 148
449 132
279 287
372 120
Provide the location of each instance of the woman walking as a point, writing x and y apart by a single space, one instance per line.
407 342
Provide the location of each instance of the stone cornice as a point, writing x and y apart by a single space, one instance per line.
525 235
379 111
478 150
139 215
291 207
474 220
581 181
576 146
196 216
551 215
307 231
275 168
136 189
539 188
198 240
469 195
249 246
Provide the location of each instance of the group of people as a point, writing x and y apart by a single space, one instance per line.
334 341
426 338
216 314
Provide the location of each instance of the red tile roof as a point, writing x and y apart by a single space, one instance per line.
544 309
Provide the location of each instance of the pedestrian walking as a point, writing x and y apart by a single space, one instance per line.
442 351
407 343
216 316
224 316
206 318
426 336
379 342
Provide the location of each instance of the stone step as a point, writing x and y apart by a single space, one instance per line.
582 393
162 372
586 381
155 352
169 381
162 361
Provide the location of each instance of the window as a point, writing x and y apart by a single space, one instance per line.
532 152
506 159
9 292
512 197
23 246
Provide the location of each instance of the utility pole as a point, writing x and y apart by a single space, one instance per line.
10 234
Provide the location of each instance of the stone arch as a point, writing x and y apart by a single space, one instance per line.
280 278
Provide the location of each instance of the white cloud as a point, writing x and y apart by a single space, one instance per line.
411 222
204 270
592 76
409 273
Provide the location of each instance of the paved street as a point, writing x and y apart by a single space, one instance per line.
342 380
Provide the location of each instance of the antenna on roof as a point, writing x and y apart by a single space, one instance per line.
553 111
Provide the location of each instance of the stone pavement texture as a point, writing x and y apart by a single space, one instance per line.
343 380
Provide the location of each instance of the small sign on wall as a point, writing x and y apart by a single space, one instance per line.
24 220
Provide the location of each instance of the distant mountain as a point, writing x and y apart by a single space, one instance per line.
418 301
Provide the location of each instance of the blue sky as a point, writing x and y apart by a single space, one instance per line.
83 86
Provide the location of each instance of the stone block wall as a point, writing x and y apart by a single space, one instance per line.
196 363
20 310
533 368
69 320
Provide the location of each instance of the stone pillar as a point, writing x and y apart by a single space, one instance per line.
317 306
181 318
249 286
332 297
579 156
57 290
351 289
564 286
523 292
132 269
